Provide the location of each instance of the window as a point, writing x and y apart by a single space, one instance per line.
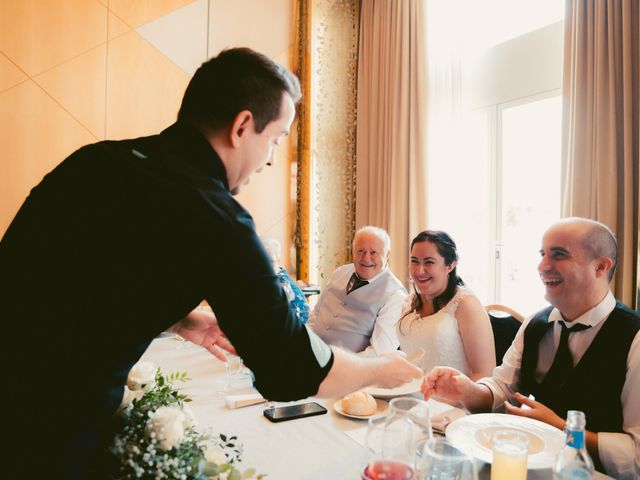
528 176
494 140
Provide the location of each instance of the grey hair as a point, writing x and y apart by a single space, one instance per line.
272 246
381 233
598 241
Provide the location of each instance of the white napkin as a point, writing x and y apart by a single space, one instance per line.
442 414
238 401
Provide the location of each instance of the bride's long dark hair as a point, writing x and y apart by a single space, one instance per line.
449 252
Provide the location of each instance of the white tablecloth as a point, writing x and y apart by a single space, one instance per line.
313 448
306 448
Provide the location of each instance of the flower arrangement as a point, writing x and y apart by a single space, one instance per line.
156 435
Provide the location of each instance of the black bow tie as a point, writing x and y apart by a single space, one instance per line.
355 282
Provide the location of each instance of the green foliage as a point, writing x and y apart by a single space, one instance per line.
137 455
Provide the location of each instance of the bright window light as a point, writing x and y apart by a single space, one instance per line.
530 149
493 134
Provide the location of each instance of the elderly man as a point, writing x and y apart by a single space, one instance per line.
583 353
362 302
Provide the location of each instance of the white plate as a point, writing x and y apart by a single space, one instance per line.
472 434
407 389
382 407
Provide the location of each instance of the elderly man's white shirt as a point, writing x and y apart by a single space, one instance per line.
383 337
619 452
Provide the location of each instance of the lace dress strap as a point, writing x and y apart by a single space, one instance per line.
452 306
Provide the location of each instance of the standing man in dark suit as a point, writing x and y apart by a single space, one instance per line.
123 240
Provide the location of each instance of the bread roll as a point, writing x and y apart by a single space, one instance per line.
359 403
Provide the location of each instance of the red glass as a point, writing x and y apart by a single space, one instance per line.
387 470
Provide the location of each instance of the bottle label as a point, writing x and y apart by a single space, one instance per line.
575 438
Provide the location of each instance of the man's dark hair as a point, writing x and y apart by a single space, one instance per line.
237 79
599 241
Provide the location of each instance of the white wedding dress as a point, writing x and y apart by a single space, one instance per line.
437 334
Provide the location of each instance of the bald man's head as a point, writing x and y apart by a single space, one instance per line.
597 239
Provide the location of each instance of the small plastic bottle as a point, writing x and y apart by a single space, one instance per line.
573 461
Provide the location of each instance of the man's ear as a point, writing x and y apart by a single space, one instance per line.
603 266
240 126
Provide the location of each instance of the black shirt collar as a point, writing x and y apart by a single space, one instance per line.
196 150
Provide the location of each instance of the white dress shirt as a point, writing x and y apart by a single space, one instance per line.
619 452
384 338
333 299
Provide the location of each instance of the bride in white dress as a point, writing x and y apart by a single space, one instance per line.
443 317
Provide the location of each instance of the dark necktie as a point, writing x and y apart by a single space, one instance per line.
355 282
563 362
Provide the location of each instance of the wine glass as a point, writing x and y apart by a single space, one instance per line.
438 459
414 410
238 376
391 445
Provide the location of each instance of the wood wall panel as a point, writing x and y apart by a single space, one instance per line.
79 86
266 26
40 34
116 26
139 12
76 71
144 88
35 134
10 75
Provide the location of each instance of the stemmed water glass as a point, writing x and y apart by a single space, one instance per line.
414 411
391 448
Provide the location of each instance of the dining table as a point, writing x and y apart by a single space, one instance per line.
323 447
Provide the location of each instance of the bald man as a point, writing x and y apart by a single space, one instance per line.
578 261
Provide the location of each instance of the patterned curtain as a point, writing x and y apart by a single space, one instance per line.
327 43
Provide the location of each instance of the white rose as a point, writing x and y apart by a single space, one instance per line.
129 396
167 425
142 376
215 454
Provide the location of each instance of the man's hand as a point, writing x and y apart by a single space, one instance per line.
201 327
536 410
351 372
455 388
539 411
395 370
446 384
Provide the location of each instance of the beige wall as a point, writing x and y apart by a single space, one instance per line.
526 65
74 72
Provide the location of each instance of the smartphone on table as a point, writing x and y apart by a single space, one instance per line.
291 412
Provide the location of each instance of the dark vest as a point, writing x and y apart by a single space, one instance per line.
595 385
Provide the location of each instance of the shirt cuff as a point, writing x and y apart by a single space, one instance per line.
616 451
498 395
